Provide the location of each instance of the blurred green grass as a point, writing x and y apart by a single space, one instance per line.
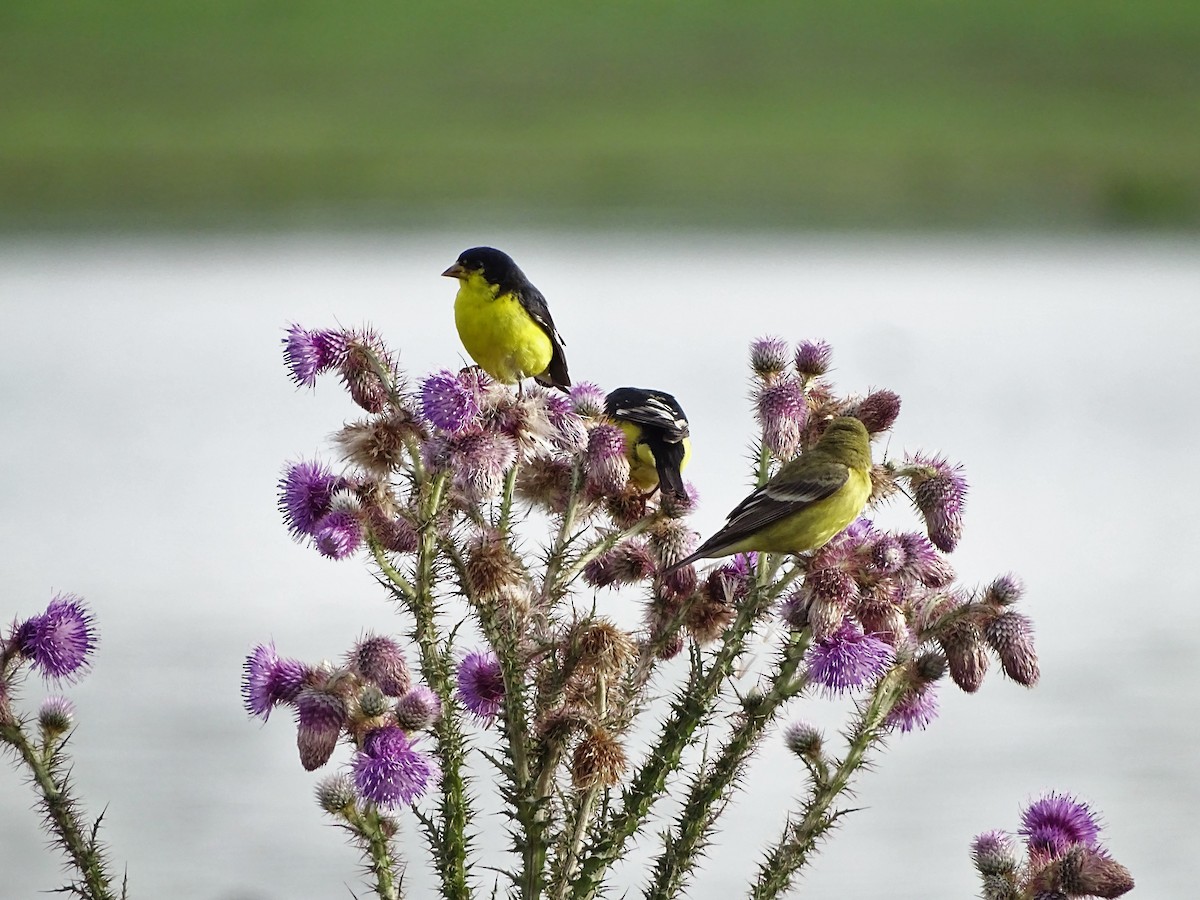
1074 114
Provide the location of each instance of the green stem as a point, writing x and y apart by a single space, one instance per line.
393 575
703 805
689 711
450 840
62 815
562 540
510 482
369 827
798 840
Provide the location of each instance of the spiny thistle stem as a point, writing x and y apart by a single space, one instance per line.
510 483
63 816
703 805
583 816
603 545
689 711
525 799
795 845
369 827
562 540
450 847
393 575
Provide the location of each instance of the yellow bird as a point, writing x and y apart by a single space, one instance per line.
504 322
656 437
810 499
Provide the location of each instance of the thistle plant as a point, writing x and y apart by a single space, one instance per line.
58 644
496 519
500 522
1063 855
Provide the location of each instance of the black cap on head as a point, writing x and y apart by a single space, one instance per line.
497 266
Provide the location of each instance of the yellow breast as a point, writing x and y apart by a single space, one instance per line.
643 470
498 333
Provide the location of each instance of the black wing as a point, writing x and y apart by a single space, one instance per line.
650 409
779 498
535 304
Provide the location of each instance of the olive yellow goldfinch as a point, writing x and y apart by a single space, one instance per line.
656 437
807 502
504 322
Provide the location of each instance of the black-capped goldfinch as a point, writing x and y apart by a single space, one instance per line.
807 502
656 437
504 321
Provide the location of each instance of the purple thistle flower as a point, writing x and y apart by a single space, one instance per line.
676 506
848 659
769 357
338 534
268 680
305 494
448 403
588 399
320 715
418 709
390 770
877 411
1055 822
916 709
782 412
309 353
605 462
479 460
59 641
939 492
481 684
812 358
381 660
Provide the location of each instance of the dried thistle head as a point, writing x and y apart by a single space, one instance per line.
599 761
601 647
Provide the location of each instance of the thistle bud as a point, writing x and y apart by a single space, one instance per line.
56 716
418 709
805 740
769 358
939 492
626 563
965 656
320 716
782 413
707 619
812 358
381 660
335 794
1004 591
365 348
993 853
1010 634
605 462
588 400
603 647
877 411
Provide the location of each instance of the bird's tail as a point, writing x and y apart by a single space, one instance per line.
668 457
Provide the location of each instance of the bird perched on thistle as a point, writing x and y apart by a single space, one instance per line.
504 322
656 437
807 502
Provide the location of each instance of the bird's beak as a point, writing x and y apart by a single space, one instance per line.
455 271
